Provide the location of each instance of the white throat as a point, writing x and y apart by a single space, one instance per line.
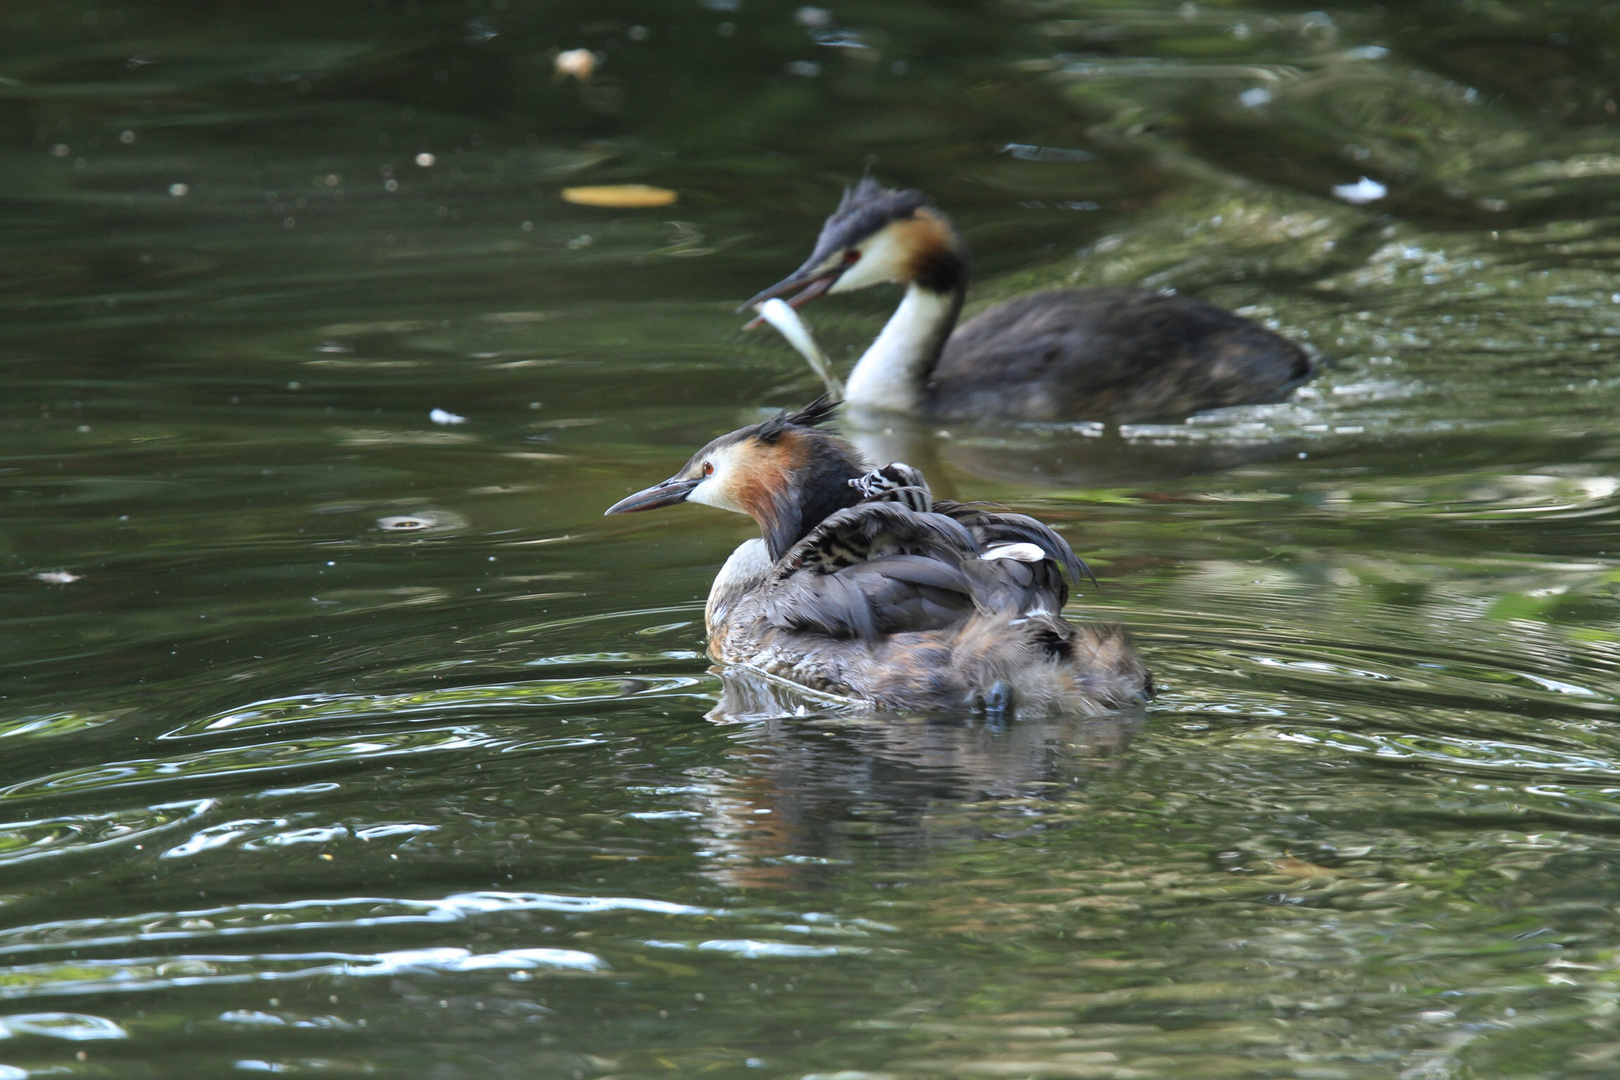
891 375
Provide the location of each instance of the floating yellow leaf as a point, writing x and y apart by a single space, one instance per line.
629 196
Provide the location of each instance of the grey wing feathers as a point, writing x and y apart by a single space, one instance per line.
875 568
881 568
890 595
991 528
1012 587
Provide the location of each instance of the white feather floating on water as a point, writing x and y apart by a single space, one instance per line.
780 314
1363 191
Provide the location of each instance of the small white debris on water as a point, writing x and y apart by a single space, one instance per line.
425 160
179 190
58 577
578 63
1253 99
1361 192
443 416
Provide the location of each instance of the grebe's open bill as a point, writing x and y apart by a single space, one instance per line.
780 315
814 286
671 491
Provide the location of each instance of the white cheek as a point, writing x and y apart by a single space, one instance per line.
710 493
882 261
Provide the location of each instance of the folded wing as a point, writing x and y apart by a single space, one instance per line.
881 568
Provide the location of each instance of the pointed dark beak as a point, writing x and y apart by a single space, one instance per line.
670 492
813 286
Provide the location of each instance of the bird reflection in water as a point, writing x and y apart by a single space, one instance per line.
810 784
1061 457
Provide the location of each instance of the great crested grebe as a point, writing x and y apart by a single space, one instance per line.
864 586
1067 354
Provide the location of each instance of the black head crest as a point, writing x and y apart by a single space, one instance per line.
817 412
864 209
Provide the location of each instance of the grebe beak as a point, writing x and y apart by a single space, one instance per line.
814 286
671 491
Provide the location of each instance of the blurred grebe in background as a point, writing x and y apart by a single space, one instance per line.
1067 354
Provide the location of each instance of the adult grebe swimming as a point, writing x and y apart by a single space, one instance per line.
1067 354
864 586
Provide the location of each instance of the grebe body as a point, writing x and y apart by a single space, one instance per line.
865 587
1063 355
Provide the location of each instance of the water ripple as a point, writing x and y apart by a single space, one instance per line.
73 1027
275 757
314 915
305 708
1450 751
157 973
22 841
749 949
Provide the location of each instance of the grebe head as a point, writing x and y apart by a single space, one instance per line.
877 236
785 473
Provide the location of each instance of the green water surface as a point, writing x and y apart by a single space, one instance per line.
341 742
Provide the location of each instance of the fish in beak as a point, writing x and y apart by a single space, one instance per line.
810 284
671 491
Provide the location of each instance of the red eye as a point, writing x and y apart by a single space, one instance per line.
708 470
851 257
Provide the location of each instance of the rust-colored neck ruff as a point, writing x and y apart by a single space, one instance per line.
791 484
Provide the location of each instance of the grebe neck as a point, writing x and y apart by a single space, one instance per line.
893 373
741 574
